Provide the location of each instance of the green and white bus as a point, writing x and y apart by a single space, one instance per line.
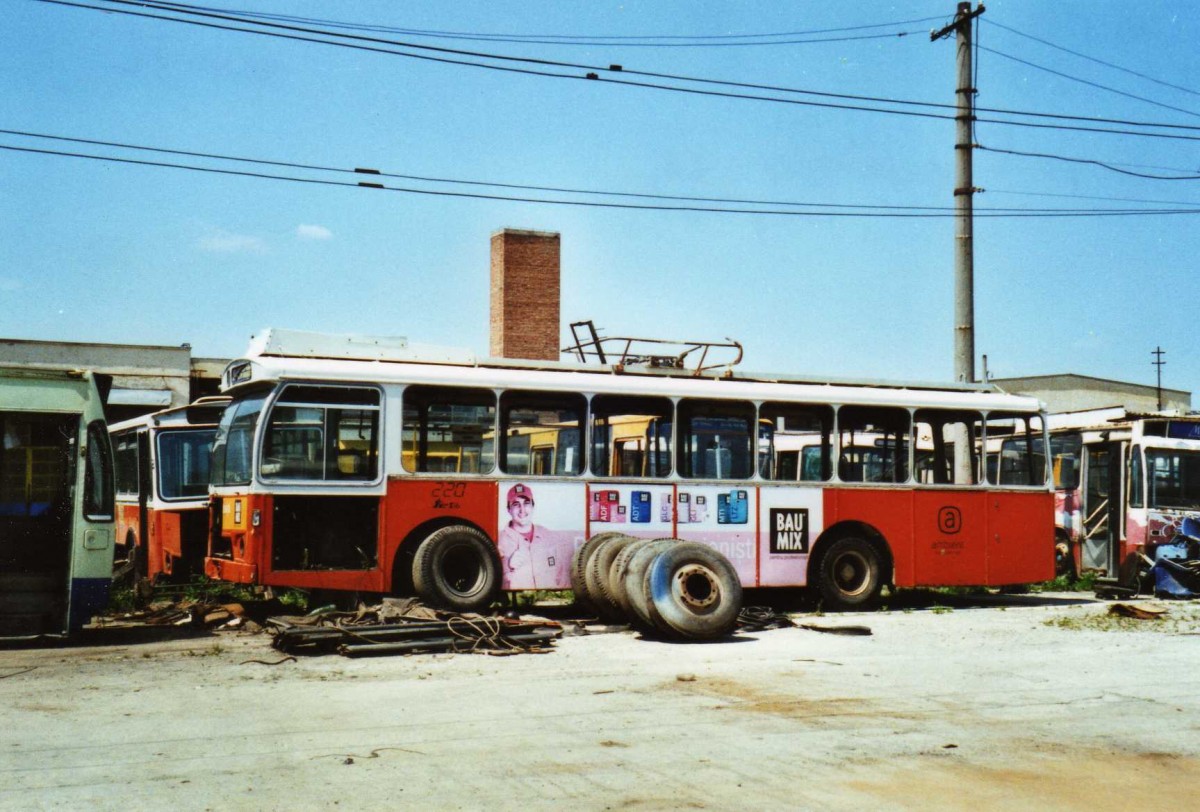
56 502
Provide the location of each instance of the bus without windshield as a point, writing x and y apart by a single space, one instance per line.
336 464
56 502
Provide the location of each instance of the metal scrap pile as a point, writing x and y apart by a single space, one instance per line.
1176 568
407 627
200 614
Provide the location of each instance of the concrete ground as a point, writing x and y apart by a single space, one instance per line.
1004 702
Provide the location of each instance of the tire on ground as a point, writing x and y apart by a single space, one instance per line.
596 576
579 570
693 592
635 578
616 576
849 575
457 568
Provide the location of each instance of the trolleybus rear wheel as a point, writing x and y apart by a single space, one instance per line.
850 575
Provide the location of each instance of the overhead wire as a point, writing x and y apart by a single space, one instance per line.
461 181
1110 166
1089 161
1096 85
1111 199
617 71
554 39
592 73
185 8
432 179
893 212
1106 165
1106 64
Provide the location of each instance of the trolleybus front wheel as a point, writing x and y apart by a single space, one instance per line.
456 568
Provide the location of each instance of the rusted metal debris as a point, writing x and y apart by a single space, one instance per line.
407 627
244 615
1137 611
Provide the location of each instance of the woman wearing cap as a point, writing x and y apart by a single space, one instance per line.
529 557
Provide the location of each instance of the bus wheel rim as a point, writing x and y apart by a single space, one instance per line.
852 573
696 587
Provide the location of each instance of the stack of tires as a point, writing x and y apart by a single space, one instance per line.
668 588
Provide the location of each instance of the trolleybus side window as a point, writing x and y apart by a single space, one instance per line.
939 435
717 439
448 430
125 455
800 443
874 444
323 433
98 475
1065 452
540 433
631 436
1022 458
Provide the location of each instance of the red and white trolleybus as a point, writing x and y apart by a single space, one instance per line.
373 467
1125 483
162 489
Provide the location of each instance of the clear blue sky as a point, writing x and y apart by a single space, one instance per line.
96 251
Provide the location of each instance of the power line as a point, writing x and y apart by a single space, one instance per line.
1110 199
492 184
1096 85
1008 213
183 8
556 39
594 71
1094 59
431 179
1090 161
592 68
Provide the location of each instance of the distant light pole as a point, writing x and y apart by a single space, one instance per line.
1158 353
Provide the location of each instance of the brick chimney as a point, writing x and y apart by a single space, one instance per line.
525 295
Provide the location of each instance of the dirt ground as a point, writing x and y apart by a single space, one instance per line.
999 702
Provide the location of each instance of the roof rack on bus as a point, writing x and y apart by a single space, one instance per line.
655 353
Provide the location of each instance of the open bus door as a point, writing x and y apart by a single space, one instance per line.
1103 517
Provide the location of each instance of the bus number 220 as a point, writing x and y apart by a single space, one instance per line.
449 490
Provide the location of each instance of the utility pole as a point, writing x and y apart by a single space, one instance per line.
1158 353
964 191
